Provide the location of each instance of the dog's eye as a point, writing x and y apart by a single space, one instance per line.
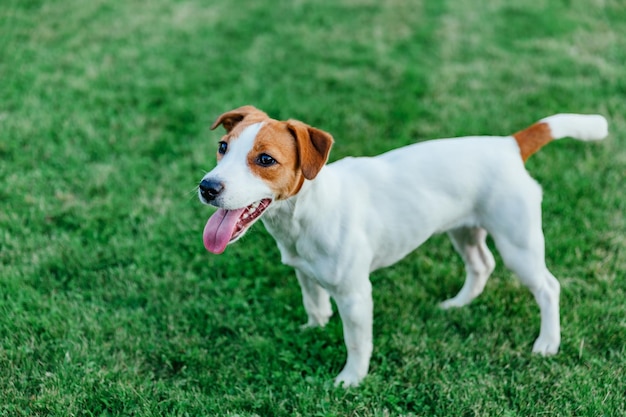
265 160
222 148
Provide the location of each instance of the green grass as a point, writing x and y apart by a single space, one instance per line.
109 304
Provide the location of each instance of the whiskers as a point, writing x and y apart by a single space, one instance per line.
193 193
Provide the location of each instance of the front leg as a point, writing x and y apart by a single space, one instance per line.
356 310
316 301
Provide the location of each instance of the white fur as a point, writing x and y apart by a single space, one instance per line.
579 126
361 214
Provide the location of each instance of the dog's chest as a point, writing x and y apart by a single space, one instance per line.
300 249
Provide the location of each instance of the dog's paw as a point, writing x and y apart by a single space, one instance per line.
452 303
309 325
347 379
316 321
546 346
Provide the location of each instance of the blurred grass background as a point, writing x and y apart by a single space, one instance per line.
109 304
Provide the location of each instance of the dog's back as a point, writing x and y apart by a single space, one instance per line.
408 194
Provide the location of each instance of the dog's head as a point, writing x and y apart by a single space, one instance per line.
260 160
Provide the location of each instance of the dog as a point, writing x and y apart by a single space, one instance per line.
337 223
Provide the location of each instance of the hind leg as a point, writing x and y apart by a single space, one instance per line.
470 243
549 338
523 252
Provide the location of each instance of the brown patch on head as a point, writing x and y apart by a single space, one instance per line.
284 176
300 152
531 139
236 121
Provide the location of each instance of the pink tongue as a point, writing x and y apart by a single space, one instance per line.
219 229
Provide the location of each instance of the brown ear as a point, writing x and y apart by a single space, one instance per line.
230 119
313 147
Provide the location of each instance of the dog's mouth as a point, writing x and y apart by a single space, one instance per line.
226 226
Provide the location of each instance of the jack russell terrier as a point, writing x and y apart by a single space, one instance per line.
337 223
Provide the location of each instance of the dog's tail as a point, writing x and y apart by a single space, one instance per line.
585 127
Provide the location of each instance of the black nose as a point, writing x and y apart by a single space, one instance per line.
210 189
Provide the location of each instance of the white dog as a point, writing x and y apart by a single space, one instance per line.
337 223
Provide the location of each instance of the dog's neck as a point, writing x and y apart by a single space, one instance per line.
287 220
283 219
